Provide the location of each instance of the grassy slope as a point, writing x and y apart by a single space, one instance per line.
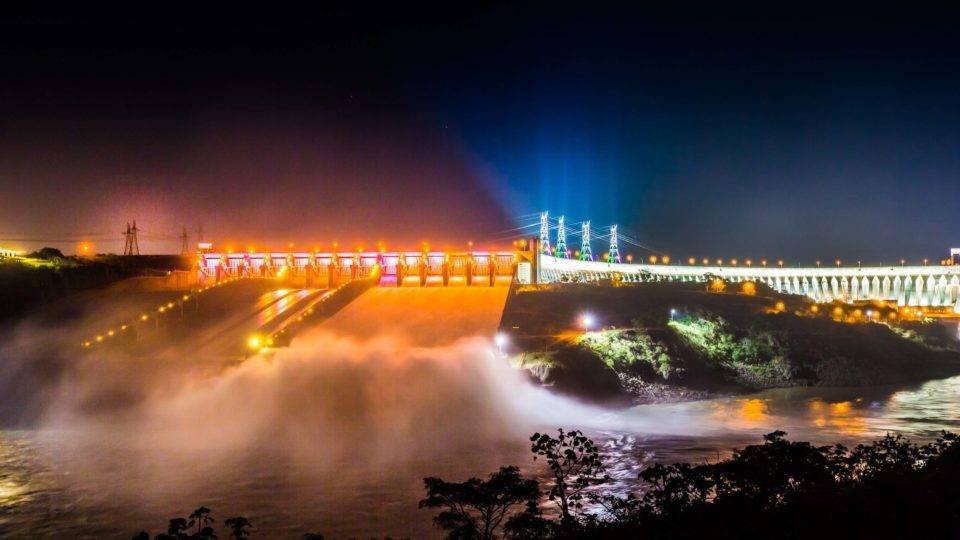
29 283
713 343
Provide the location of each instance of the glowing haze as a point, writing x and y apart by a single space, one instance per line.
701 133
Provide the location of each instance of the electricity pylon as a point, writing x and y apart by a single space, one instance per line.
585 253
184 243
561 239
614 253
545 232
130 244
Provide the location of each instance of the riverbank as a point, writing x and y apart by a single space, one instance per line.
662 342
30 282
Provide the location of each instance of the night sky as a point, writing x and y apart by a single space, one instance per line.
701 134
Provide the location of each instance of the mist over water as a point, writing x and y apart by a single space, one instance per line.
335 433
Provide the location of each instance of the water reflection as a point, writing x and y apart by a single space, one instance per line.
816 414
695 432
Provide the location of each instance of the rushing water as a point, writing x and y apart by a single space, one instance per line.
41 494
335 433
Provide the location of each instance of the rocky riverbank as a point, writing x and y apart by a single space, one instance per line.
661 342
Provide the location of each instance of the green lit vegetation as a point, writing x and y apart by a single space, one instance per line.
622 350
667 341
754 357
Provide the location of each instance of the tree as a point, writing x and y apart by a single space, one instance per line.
177 527
48 253
475 509
239 527
529 525
575 463
674 488
775 472
201 518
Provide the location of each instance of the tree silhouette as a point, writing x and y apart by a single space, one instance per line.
574 461
239 527
476 509
201 518
177 527
773 473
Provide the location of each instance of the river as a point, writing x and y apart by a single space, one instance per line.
102 488
335 433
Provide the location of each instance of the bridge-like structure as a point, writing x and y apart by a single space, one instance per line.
536 262
922 286
396 268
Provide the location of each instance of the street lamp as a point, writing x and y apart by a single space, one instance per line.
587 321
501 341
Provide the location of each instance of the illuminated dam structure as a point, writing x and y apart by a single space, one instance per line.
926 286
427 268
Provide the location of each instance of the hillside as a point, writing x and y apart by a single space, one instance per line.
671 341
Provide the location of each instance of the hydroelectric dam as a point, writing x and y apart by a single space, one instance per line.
305 285
534 263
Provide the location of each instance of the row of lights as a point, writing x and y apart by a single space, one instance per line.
381 247
665 259
257 342
871 314
144 317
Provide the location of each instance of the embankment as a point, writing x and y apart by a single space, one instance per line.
675 341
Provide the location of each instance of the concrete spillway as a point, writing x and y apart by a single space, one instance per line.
425 317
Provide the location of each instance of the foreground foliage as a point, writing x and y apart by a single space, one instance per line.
889 489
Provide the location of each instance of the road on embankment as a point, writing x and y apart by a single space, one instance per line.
424 317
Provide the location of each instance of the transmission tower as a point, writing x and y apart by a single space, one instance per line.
184 243
614 255
561 239
130 244
200 233
545 232
585 253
